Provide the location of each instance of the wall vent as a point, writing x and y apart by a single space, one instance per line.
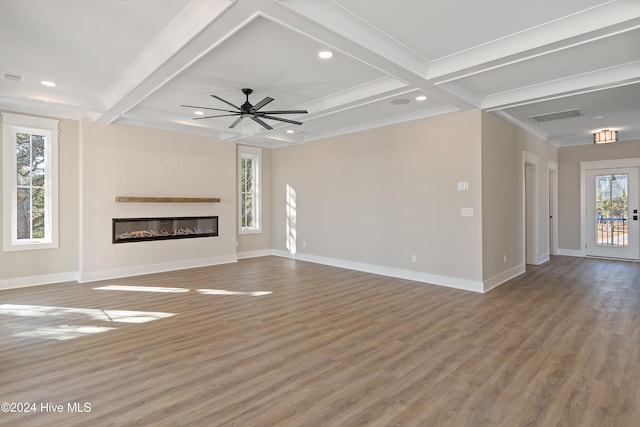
12 77
558 115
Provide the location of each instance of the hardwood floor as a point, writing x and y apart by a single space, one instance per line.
277 342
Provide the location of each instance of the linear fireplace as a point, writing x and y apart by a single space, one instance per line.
143 229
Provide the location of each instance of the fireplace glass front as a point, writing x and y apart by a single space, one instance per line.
143 229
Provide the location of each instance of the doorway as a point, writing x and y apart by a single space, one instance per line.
553 208
530 208
612 213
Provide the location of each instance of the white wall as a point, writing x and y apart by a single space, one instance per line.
369 200
42 266
120 160
569 159
503 145
372 199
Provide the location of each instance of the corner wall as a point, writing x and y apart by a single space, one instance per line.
371 200
569 159
42 266
121 160
503 145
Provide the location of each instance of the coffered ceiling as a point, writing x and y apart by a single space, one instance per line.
138 61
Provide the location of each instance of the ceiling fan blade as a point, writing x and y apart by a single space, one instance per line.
286 112
238 120
261 123
207 108
225 101
262 103
293 122
220 115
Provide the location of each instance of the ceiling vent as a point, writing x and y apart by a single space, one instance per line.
12 77
559 115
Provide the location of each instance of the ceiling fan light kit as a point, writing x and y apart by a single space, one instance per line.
251 111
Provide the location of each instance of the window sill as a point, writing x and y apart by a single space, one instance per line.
8 247
252 231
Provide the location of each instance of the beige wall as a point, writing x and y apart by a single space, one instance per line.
45 265
501 196
120 160
503 145
378 197
569 159
371 198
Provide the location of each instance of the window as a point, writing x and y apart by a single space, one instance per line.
30 188
250 164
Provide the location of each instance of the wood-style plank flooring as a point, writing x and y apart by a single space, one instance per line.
278 342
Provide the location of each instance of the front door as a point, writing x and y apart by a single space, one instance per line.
612 213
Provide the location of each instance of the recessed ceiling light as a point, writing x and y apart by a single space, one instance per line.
47 83
290 131
421 98
198 113
325 54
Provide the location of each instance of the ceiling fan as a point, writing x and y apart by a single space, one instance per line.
251 111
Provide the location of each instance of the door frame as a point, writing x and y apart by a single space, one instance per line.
530 219
591 165
553 207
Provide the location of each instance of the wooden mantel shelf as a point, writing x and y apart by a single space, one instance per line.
126 199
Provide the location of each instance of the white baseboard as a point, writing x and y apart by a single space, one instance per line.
571 252
505 276
41 279
93 276
255 254
543 258
433 279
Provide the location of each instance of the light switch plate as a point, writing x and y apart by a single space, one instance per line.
466 212
463 186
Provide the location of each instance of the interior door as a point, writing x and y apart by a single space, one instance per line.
612 213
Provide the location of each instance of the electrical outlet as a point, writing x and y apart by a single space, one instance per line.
505 258
414 259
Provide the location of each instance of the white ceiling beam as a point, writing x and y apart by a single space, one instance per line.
589 82
586 26
47 101
162 60
331 24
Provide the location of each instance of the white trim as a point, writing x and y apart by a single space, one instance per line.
541 259
553 170
505 276
432 279
41 279
255 254
594 165
11 125
571 252
93 276
255 154
611 164
530 159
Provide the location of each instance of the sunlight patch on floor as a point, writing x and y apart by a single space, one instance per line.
142 289
122 316
67 332
223 292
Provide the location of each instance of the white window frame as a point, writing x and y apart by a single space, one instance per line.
12 124
254 154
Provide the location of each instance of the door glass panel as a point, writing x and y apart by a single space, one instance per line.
611 210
